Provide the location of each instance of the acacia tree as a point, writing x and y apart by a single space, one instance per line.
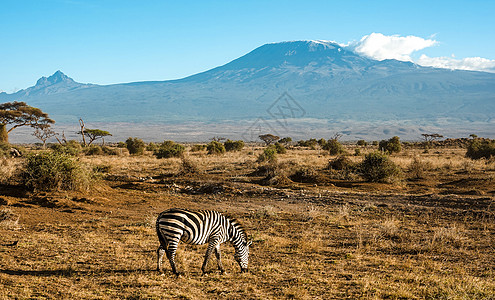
17 114
269 138
94 134
43 134
431 137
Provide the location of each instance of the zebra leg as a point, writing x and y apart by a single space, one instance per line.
171 250
159 252
211 247
219 259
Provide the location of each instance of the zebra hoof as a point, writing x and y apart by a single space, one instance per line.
178 274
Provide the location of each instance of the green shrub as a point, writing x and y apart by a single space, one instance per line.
110 151
390 146
362 143
215 147
198 147
334 147
279 148
135 146
233 145
286 140
71 147
121 145
151 147
93 150
55 171
341 163
481 148
377 167
342 168
100 150
169 149
305 174
311 143
269 154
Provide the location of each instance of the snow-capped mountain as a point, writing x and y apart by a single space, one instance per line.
328 81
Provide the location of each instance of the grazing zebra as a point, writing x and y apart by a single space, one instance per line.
200 227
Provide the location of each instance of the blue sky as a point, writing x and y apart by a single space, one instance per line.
107 41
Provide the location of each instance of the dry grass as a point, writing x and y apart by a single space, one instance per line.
337 239
8 168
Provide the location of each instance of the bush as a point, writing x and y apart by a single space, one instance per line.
215 147
269 154
305 174
279 148
110 151
71 147
135 146
55 171
311 143
340 163
334 147
198 147
188 167
362 143
418 168
390 146
152 147
377 167
93 150
342 168
169 149
481 148
121 145
275 173
286 140
233 145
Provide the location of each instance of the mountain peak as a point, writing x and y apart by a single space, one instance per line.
299 54
57 77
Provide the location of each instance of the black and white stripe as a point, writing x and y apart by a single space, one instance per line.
200 227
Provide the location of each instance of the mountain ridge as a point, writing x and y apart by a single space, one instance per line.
330 82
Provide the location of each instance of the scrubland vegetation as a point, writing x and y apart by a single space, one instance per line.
329 221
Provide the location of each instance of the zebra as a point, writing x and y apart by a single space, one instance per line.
198 228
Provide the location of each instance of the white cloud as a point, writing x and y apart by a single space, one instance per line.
380 47
468 63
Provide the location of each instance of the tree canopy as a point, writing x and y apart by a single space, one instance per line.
94 134
269 138
17 114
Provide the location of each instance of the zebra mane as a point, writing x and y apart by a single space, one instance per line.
238 226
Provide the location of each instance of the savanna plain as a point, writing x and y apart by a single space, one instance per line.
319 231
